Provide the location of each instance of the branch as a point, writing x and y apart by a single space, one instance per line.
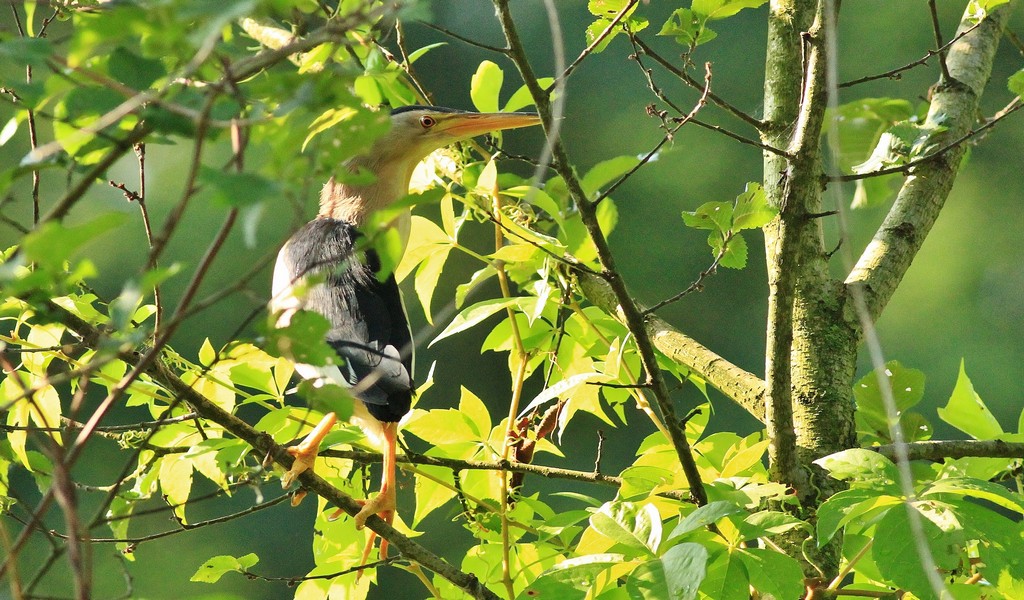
895 73
1008 110
464 39
510 466
740 386
601 37
633 316
697 85
265 445
938 450
954 106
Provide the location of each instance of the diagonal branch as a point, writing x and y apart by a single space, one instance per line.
937 450
742 387
634 318
954 107
265 445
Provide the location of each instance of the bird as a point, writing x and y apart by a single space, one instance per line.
326 267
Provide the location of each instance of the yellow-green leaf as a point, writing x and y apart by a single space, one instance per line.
485 86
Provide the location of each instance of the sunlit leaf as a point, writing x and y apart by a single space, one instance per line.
213 569
704 516
486 86
858 463
475 314
572 578
635 526
967 411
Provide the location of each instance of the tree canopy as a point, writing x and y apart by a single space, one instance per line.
621 397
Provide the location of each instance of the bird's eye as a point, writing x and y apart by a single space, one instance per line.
427 121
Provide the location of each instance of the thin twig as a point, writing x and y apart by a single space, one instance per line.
697 85
937 31
1014 105
895 73
632 315
597 41
464 39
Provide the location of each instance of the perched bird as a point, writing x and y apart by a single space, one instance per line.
368 326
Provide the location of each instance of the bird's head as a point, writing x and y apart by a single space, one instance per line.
416 131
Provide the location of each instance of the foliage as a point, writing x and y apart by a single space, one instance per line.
242 94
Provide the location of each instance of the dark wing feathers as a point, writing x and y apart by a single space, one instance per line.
369 329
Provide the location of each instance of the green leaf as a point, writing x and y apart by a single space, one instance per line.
213 569
726 577
31 51
637 527
639 481
874 191
773 574
751 210
687 27
570 579
705 515
133 70
238 189
427 276
474 315
858 463
769 522
485 86
522 97
721 9
475 412
674 576
606 8
895 551
302 340
1016 83
53 243
327 398
976 488
9 130
606 172
562 388
967 412
860 124
847 505
431 494
716 216
735 255
417 53
441 426
907 387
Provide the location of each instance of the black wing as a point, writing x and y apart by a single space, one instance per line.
369 329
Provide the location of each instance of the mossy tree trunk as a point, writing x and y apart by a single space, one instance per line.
814 325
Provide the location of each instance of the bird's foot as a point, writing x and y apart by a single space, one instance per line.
382 505
305 452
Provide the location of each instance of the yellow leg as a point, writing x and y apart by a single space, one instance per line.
383 504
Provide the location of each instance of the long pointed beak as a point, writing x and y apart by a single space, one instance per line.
467 125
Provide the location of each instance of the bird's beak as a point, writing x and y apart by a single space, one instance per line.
467 125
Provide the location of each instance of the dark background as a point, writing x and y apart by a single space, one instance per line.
961 300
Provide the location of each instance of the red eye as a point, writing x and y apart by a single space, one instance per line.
427 121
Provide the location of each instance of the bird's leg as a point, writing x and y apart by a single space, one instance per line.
383 504
305 452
